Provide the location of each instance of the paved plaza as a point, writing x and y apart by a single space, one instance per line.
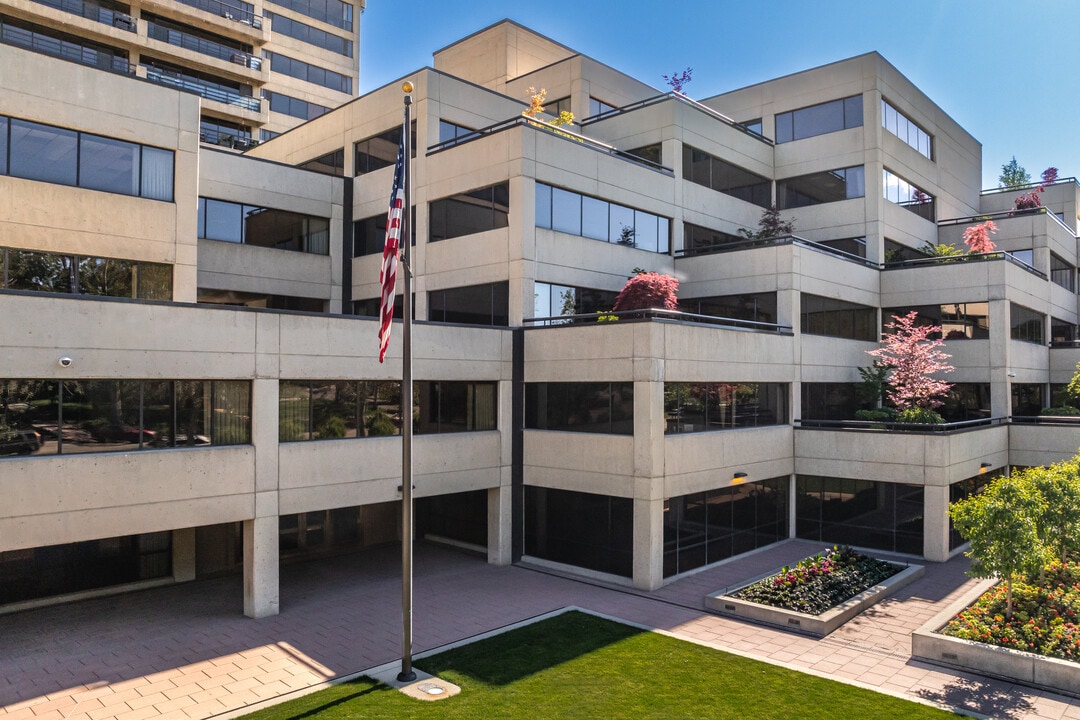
187 651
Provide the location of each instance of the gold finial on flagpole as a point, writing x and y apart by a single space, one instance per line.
407 87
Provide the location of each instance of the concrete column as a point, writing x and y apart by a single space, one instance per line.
183 554
936 523
648 543
261 567
498 518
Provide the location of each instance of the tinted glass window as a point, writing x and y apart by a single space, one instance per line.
472 305
40 152
819 119
111 165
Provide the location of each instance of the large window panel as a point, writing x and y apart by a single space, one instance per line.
596 407
586 530
837 318
110 165
821 187
703 407
755 307
87 275
41 152
486 304
908 196
476 211
863 513
704 169
1027 324
584 216
906 129
819 119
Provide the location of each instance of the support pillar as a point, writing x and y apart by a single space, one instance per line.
498 525
936 523
261 567
648 544
183 554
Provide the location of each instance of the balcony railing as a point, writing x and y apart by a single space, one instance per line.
173 80
605 318
225 139
227 11
93 11
775 242
65 50
683 99
1028 186
1070 420
201 45
877 426
950 259
569 135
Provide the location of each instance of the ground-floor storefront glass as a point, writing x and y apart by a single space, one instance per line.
706 527
863 513
595 532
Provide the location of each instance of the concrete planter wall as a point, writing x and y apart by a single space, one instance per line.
1021 667
724 602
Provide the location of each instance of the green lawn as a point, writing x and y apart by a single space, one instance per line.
579 666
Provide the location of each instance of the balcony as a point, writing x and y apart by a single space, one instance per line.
105 13
175 80
40 40
187 41
228 11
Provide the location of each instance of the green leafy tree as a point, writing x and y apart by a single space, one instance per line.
1058 524
875 384
1072 390
1013 175
1001 524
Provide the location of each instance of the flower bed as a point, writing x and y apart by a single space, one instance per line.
819 583
846 581
1045 620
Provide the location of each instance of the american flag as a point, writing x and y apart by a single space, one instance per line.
388 271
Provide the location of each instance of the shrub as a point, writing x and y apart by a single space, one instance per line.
334 427
876 415
1067 410
379 424
923 416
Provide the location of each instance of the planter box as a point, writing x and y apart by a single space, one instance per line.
821 625
1015 665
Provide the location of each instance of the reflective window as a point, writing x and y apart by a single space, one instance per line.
832 401
264 227
706 527
753 125
755 307
313 36
1027 325
863 513
712 172
594 407
553 301
581 215
43 417
702 407
905 128
898 190
369 234
958 321
652 153
821 187
586 530
67 157
1062 273
966 401
294 107
819 119
449 407
42 152
309 73
473 305
332 409
334 12
332 163
702 240
471 212
110 277
450 131
380 151
1027 399
838 318
599 107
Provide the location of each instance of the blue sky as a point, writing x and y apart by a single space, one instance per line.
1007 71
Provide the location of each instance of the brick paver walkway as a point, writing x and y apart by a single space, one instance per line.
187 652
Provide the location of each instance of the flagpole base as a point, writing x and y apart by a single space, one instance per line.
406 677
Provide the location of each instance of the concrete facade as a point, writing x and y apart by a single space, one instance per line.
227 508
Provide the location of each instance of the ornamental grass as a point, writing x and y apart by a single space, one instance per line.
821 582
1045 615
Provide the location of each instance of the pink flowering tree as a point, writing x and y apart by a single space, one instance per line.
977 237
678 81
648 290
1031 200
913 359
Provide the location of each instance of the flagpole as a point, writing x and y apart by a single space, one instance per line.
406 674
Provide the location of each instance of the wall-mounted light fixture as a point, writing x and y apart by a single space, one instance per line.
984 467
739 477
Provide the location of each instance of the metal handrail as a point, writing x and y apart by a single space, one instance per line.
655 314
1045 419
93 11
202 46
46 45
563 132
776 242
227 11
967 257
1028 186
165 77
657 99
885 425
